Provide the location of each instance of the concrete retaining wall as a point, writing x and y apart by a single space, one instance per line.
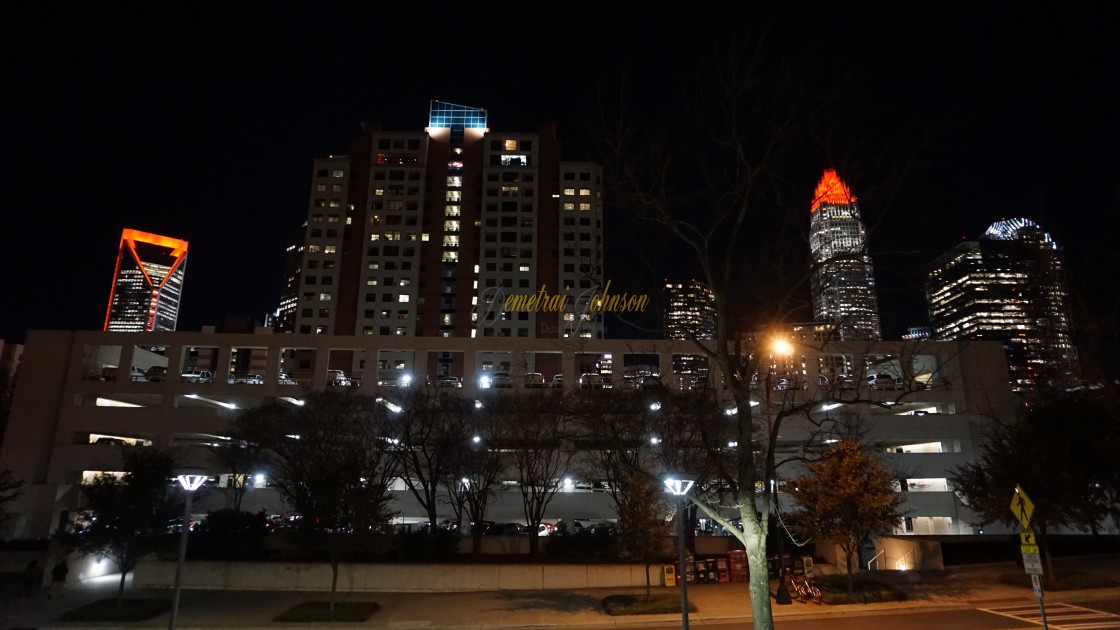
408 578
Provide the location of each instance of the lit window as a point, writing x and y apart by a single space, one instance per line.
569 191
510 145
424 237
452 211
371 282
569 206
584 192
585 206
402 297
313 249
375 237
320 188
338 173
329 249
324 297
450 226
523 268
454 195
455 181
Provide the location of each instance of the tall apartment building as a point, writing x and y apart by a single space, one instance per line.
690 311
1009 286
843 280
147 283
447 232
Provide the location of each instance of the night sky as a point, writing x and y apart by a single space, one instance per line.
202 125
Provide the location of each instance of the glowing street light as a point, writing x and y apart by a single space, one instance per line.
190 483
679 488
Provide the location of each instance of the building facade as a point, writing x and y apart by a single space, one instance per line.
843 280
147 283
56 446
1009 286
690 311
448 232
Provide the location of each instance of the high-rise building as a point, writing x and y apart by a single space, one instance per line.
448 232
147 283
843 281
1009 286
690 311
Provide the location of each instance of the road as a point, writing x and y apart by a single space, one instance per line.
1097 614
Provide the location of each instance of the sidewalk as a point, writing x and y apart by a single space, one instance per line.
208 610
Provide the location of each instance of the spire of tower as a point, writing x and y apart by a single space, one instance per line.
831 190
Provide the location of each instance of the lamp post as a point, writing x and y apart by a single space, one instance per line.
679 488
782 595
190 483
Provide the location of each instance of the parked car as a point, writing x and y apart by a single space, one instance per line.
337 378
197 376
592 381
286 380
247 379
883 381
534 380
557 381
843 381
449 381
501 380
156 374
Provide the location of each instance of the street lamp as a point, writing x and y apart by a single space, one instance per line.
679 488
190 483
782 595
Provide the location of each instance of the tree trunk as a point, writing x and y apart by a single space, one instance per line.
334 576
649 590
535 540
754 539
848 551
120 589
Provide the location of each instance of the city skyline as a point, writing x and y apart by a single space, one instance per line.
213 144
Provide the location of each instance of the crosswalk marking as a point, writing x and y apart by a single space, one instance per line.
1060 616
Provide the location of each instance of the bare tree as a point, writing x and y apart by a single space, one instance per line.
432 432
332 457
716 180
126 517
477 468
240 460
540 451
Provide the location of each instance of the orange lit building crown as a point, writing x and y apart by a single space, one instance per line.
831 190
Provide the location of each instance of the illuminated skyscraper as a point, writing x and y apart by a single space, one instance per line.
690 312
1009 286
428 233
147 283
843 281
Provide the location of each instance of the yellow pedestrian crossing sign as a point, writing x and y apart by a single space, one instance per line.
1027 538
1022 507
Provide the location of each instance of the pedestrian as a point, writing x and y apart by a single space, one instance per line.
32 579
58 578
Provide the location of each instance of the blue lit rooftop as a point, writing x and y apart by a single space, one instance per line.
452 116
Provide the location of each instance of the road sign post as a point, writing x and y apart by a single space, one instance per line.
1023 509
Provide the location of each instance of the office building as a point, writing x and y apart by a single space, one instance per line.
843 281
690 311
147 283
1009 286
448 232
